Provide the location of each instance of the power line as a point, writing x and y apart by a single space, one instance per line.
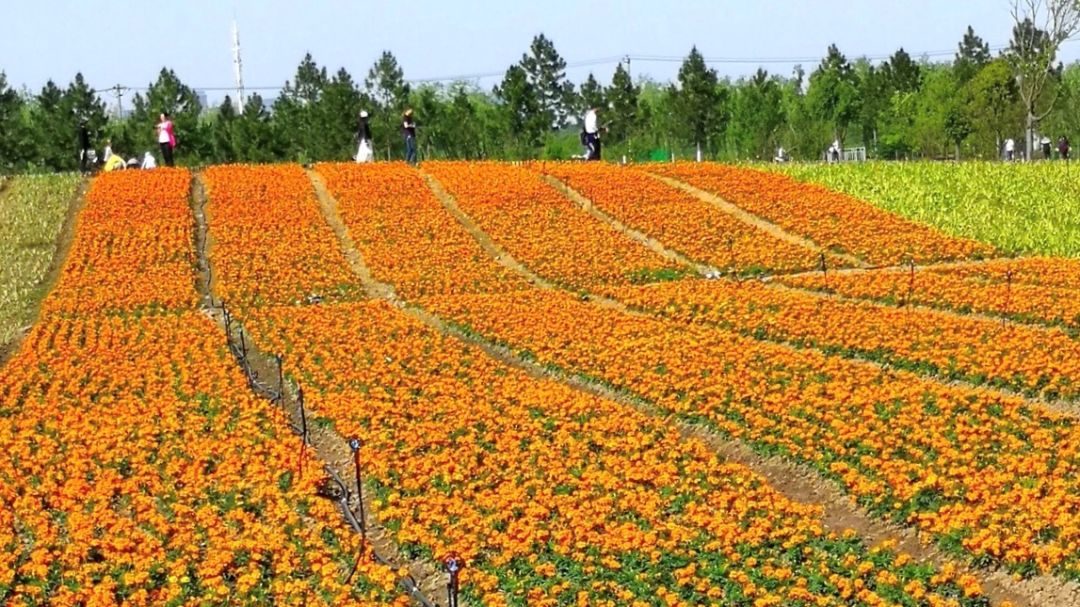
613 59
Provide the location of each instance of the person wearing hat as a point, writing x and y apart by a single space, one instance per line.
408 129
365 153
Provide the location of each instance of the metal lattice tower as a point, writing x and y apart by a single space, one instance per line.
238 68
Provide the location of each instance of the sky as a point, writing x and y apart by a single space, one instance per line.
124 42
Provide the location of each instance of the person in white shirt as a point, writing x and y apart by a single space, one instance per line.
148 161
592 134
108 150
1010 149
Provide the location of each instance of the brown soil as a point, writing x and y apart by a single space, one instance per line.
753 220
799 482
424 578
52 275
960 263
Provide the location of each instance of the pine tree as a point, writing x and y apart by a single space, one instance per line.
545 70
169 95
385 85
12 151
971 55
591 95
624 114
833 95
698 100
520 105
55 132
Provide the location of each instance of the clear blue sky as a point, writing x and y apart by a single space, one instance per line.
128 42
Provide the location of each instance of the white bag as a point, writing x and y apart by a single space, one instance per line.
364 153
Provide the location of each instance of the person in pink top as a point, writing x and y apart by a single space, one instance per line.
166 138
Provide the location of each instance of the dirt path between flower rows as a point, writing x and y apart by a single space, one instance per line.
64 240
796 481
753 220
425 582
653 244
1060 407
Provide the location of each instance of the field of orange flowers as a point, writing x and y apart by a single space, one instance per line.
554 496
1029 297
833 220
140 468
137 467
697 230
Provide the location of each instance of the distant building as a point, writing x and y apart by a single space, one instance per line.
201 96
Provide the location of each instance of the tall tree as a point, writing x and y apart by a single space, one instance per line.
520 105
971 55
54 131
698 100
901 73
296 108
12 148
1040 27
385 85
757 116
993 103
168 94
545 70
591 95
337 116
833 92
622 97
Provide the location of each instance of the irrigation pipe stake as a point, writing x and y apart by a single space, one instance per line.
354 444
454 564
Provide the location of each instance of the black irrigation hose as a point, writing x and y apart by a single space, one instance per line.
240 352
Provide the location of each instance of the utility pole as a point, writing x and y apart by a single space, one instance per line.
119 92
238 68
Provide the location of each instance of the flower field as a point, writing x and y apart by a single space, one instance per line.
833 220
32 210
1029 208
562 434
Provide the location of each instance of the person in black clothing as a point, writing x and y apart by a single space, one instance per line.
84 146
1063 147
408 129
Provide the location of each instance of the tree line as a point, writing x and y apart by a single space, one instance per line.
899 108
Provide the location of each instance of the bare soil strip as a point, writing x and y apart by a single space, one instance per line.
328 445
939 265
753 220
798 482
489 246
52 275
655 245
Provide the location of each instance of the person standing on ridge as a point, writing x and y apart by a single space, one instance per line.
1063 147
84 146
365 152
166 138
408 129
592 134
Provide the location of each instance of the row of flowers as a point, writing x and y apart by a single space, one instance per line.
543 229
138 468
1036 361
132 248
681 221
404 233
554 496
271 244
833 220
988 476
967 292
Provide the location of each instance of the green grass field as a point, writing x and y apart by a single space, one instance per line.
1020 208
32 211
